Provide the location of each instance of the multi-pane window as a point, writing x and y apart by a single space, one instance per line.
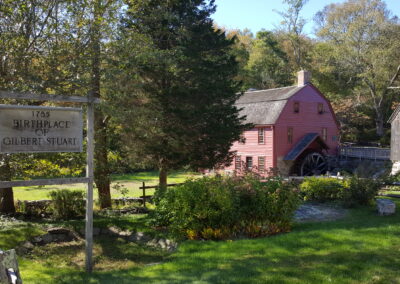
320 108
290 134
261 136
296 107
324 134
261 164
249 163
238 163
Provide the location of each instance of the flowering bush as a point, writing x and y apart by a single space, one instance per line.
224 207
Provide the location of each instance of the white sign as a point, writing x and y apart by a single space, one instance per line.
30 129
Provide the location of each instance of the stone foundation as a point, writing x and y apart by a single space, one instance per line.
284 167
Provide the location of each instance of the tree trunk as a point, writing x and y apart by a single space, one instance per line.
7 200
379 122
163 179
101 172
6 194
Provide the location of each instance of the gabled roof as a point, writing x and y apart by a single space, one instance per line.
264 107
303 144
394 114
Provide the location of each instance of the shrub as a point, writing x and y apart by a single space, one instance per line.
322 189
352 192
222 207
360 191
67 204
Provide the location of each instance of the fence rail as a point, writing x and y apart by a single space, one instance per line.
144 187
370 153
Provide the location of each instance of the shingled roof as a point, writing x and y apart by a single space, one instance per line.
264 107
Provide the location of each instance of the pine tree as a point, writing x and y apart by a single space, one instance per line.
176 92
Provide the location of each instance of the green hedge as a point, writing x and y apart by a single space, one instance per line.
322 189
225 207
351 192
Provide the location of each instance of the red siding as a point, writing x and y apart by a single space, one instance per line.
307 120
251 148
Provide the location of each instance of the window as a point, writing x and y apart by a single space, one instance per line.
334 138
261 136
290 135
320 108
261 164
324 134
238 163
296 107
242 139
249 163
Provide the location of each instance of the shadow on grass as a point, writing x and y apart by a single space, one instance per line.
362 248
12 237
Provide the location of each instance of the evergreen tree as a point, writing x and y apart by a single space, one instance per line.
174 86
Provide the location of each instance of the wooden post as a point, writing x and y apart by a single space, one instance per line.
90 176
144 194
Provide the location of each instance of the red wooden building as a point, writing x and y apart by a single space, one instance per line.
294 130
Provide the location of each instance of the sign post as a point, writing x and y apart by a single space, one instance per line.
31 129
90 176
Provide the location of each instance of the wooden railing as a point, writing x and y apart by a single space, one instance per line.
144 187
370 153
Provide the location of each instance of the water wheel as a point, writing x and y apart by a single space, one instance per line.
313 164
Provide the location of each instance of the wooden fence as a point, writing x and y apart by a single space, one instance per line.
370 153
144 187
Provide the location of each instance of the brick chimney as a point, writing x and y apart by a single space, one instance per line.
303 77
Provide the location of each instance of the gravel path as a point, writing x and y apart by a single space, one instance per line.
318 212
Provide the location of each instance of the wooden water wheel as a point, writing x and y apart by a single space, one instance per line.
313 164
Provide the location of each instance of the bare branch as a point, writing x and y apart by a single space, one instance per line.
394 77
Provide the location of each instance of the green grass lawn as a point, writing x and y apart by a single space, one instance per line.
362 248
132 182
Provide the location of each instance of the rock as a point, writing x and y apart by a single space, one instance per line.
139 237
161 243
37 240
172 247
58 230
60 238
47 238
25 248
21 250
124 234
385 207
73 236
152 243
28 245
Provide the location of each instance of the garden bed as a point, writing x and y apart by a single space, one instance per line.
362 247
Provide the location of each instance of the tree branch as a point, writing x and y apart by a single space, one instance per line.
394 78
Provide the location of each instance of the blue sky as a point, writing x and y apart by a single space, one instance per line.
258 14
